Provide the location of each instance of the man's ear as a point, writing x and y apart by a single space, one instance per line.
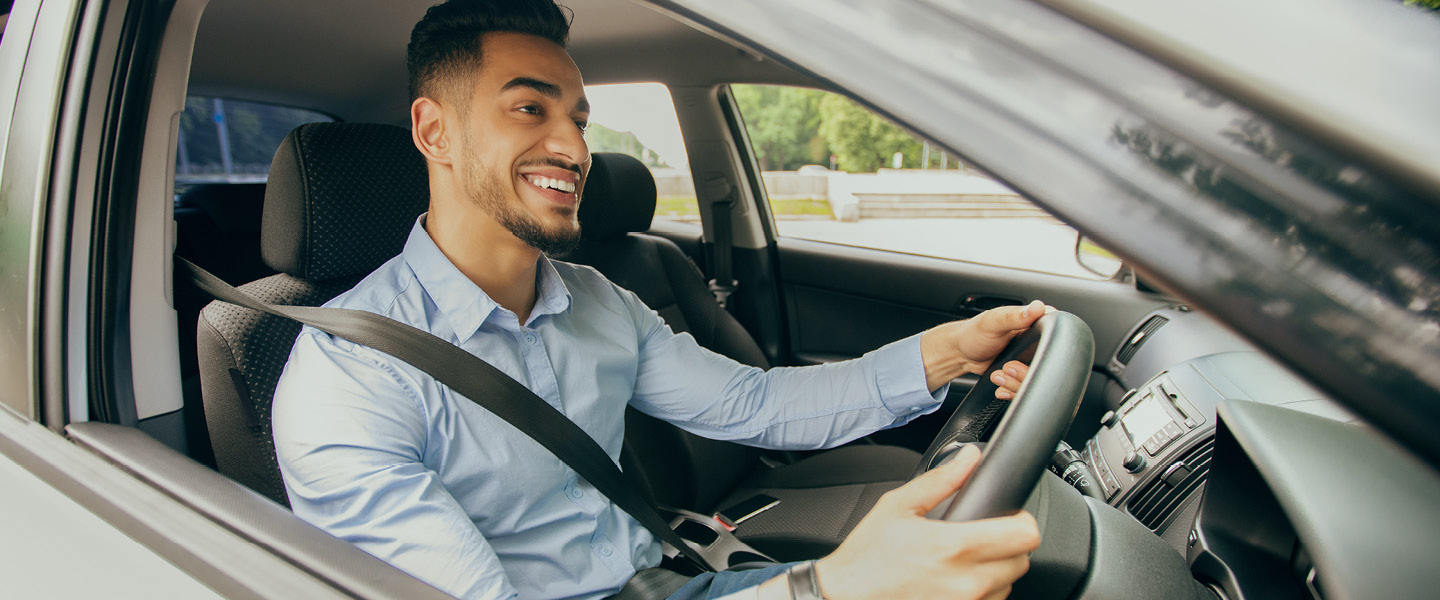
428 129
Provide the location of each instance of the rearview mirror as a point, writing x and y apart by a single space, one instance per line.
1095 259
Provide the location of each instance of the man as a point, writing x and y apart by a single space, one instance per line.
380 454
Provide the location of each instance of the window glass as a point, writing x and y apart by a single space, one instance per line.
232 141
836 172
639 119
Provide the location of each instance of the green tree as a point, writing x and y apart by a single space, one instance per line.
604 139
861 140
783 124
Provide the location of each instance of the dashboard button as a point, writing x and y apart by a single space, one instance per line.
1150 448
1174 430
1133 462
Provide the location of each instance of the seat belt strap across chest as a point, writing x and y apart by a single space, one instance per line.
476 380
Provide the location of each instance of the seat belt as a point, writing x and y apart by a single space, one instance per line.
476 380
722 204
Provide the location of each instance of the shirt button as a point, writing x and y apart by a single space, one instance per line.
530 339
606 551
577 493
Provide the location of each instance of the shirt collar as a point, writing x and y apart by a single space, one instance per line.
462 303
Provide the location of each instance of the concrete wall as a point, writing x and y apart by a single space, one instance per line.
890 193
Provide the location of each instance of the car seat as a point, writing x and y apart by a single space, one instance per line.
340 201
217 226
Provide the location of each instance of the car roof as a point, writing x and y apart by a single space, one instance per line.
353 67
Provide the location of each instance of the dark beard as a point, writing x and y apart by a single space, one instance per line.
484 189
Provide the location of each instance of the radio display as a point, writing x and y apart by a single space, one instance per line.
1145 420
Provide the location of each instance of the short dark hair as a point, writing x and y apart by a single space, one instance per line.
446 43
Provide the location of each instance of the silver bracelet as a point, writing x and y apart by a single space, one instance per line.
804 583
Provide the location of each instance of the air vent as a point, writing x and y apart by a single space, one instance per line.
1155 503
1132 345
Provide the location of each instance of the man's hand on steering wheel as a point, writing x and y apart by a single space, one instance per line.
981 547
896 553
968 346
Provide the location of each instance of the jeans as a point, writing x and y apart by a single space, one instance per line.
714 585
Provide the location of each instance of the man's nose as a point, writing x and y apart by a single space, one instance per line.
566 140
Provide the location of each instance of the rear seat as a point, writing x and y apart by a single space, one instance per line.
217 226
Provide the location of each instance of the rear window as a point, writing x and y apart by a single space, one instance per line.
232 141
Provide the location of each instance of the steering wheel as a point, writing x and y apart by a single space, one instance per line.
1037 418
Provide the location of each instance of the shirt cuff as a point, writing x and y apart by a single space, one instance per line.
900 377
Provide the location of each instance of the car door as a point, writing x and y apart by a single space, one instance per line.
88 96
873 234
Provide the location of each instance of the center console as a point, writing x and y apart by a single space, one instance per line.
1153 424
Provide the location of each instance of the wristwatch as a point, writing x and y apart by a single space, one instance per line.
804 584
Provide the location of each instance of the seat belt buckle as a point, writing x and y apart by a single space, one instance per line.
723 292
725 522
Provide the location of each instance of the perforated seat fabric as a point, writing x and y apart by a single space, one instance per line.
340 201
823 496
239 369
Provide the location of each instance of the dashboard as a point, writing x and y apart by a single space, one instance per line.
1263 485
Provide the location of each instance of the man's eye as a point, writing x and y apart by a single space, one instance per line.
581 125
531 109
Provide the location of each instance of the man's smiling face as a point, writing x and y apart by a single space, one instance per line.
523 153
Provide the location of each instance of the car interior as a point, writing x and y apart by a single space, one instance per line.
1171 481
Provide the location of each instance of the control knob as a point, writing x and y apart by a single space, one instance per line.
1133 462
1109 418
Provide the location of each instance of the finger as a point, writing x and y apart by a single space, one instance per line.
927 491
1009 319
1016 370
999 594
996 539
1009 378
992 579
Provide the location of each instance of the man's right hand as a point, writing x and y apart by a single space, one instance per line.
897 553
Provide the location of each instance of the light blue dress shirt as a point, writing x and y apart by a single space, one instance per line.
381 455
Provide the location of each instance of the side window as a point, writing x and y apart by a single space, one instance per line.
639 119
836 172
232 141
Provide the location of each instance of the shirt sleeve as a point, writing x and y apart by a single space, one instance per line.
350 434
792 408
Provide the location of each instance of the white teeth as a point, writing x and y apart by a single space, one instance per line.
554 184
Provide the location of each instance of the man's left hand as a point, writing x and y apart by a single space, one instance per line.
969 346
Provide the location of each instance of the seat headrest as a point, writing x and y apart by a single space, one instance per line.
341 199
619 197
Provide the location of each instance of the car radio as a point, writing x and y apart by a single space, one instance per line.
1149 424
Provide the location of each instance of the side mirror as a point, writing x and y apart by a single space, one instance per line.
1095 259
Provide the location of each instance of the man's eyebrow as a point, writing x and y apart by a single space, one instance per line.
544 88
